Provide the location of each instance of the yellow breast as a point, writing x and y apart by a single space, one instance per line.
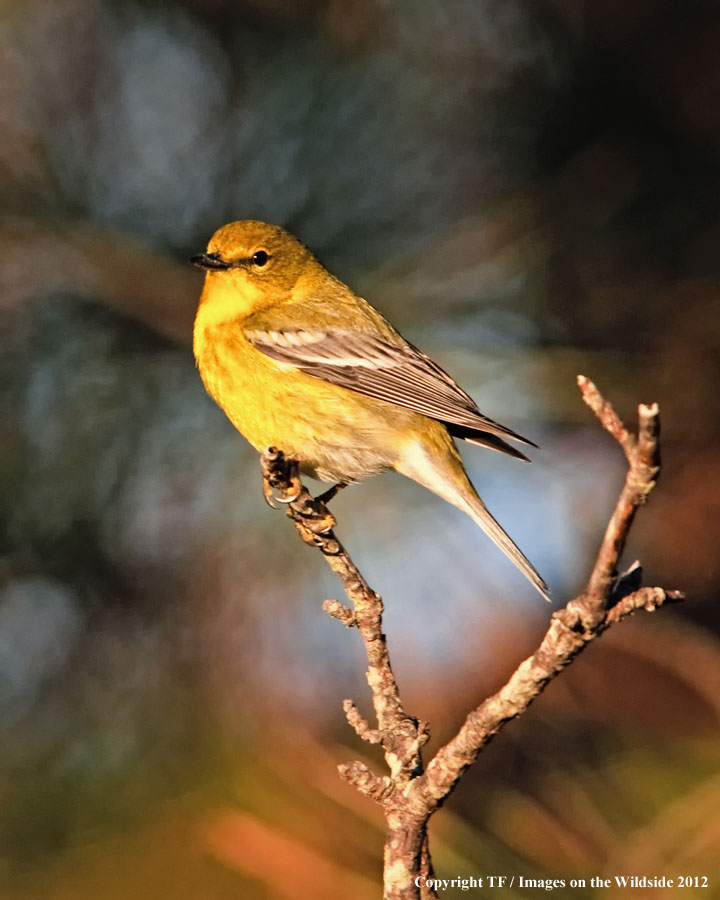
336 434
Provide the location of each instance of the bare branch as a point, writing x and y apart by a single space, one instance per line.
365 780
340 612
410 795
606 414
643 454
604 601
359 724
401 738
648 599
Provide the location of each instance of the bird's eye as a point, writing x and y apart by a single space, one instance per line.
260 258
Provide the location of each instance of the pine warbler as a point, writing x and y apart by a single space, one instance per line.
300 362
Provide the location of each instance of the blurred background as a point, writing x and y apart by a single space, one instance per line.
529 189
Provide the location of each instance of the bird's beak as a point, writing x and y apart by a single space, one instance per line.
210 261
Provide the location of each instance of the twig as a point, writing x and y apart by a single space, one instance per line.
643 455
401 735
410 794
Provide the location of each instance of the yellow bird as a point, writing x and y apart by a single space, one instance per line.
300 362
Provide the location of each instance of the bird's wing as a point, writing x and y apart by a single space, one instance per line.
393 371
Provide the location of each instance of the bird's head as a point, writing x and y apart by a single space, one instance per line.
255 263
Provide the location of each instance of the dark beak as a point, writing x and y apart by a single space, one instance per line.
210 261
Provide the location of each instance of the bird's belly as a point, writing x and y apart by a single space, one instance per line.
333 433
328 441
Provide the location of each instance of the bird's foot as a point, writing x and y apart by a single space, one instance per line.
268 494
288 483
292 493
316 517
281 484
328 495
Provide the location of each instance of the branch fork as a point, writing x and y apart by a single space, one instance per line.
412 792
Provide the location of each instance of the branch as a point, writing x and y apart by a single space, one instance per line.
643 455
410 794
605 600
400 735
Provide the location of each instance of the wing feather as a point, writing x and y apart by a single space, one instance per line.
397 373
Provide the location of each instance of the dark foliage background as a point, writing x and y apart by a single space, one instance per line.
528 190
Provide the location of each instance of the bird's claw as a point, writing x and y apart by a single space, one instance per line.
296 488
287 500
268 495
272 499
314 521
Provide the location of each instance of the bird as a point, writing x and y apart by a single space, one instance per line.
300 362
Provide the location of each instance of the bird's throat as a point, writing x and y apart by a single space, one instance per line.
226 298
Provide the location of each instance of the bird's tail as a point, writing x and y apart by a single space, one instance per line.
440 469
478 513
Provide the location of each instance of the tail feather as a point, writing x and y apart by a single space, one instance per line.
479 514
439 468
485 439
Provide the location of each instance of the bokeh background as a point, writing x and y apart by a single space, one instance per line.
529 189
